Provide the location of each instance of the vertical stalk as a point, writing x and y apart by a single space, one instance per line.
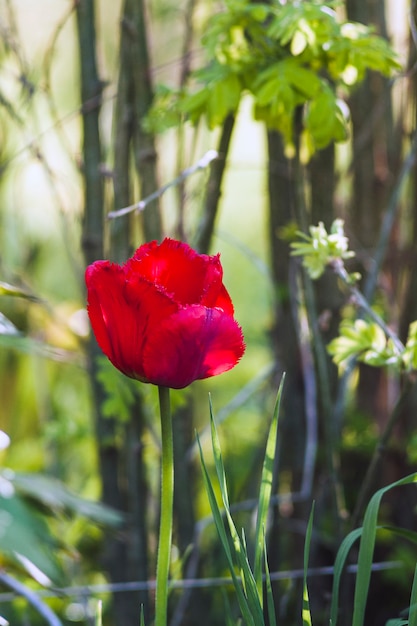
115 556
167 499
144 148
91 88
206 229
321 365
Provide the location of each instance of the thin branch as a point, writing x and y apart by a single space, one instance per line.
374 466
362 302
214 187
388 221
140 206
31 597
190 583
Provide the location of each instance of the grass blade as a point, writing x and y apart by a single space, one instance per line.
240 552
265 494
412 617
366 549
243 604
306 615
269 595
339 565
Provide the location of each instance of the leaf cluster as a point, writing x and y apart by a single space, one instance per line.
366 341
291 58
321 248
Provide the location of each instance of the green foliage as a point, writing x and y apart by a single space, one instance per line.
365 341
290 57
367 535
57 498
322 248
25 537
409 355
249 589
120 391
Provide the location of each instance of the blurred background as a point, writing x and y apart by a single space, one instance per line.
78 139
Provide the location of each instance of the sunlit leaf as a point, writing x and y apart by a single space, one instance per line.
18 292
24 532
7 327
56 496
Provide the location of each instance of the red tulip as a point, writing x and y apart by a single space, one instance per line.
164 317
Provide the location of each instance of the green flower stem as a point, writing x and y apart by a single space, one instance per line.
167 497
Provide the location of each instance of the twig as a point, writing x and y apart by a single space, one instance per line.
214 188
32 598
373 468
192 583
362 302
388 221
140 206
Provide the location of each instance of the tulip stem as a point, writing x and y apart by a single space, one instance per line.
167 497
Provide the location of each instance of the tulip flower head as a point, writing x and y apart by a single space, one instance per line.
164 317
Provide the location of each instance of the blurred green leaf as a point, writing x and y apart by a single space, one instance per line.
53 494
27 345
7 327
24 533
17 292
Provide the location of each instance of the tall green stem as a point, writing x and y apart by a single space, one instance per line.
167 497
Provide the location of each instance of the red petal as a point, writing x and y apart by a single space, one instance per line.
194 343
98 275
189 277
121 313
